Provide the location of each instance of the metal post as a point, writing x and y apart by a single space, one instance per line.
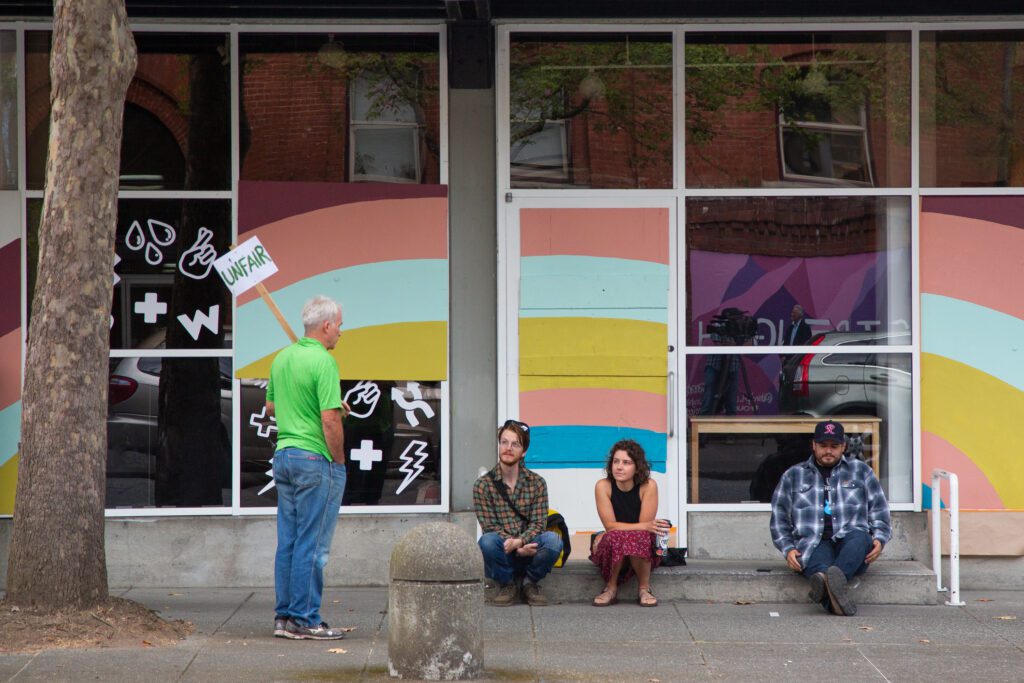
954 535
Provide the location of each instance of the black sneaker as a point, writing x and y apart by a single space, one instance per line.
817 592
281 627
839 592
296 631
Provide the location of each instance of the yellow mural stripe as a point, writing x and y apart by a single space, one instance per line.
410 351
8 482
651 385
592 346
980 415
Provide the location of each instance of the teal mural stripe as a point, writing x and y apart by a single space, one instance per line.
591 283
586 447
372 294
10 431
982 338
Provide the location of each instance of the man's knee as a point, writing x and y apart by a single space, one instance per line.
549 541
490 543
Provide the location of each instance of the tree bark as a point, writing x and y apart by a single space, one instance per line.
57 556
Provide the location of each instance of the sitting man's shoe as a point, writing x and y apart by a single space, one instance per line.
839 592
817 592
532 594
506 595
295 631
281 627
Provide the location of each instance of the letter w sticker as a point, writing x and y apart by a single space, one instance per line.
210 320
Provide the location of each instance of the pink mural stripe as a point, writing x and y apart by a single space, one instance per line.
10 285
262 202
328 239
953 248
638 234
993 209
976 491
10 368
592 407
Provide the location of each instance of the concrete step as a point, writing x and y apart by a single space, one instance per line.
890 582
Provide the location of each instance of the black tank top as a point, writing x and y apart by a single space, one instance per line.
626 504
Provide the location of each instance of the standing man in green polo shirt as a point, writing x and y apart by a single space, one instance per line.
304 394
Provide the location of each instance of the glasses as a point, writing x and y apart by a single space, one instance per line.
516 423
514 445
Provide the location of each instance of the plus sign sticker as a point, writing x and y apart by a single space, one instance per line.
366 454
150 307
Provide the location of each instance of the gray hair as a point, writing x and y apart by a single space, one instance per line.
318 310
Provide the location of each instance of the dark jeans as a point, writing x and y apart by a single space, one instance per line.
847 553
504 567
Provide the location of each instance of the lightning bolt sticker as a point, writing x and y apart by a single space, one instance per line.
269 473
409 468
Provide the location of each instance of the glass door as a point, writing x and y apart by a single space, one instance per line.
587 324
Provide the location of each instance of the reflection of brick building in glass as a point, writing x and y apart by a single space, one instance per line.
295 112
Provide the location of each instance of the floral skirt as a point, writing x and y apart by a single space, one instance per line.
613 546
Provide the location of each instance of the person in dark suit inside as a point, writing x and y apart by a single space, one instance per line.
798 331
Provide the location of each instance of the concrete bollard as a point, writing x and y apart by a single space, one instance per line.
435 605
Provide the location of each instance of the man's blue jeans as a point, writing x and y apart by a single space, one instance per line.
504 567
309 491
847 553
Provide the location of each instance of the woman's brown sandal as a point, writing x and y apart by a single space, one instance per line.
607 597
646 598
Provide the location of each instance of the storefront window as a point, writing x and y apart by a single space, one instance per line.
392 443
972 108
755 266
750 416
177 133
8 112
169 432
591 110
340 107
808 109
166 294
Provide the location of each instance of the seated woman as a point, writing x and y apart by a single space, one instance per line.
627 500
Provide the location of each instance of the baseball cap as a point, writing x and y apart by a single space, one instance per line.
829 430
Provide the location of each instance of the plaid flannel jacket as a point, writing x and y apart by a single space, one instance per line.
494 514
858 504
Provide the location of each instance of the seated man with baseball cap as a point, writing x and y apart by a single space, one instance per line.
830 518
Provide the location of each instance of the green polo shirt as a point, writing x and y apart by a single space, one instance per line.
303 382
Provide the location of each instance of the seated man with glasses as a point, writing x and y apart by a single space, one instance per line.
511 505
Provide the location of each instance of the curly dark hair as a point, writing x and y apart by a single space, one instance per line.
636 453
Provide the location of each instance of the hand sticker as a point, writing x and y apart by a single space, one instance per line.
197 260
362 399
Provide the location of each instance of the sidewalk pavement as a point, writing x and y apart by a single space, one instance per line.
676 641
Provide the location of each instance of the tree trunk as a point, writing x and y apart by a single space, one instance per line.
57 557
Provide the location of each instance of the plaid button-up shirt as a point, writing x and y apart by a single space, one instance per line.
530 497
798 506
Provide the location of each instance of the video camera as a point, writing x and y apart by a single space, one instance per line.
732 327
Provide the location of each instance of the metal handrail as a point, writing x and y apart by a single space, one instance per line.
954 536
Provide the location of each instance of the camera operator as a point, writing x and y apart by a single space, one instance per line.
732 327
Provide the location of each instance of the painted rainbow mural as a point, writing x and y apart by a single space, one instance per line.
593 334
379 249
10 367
972 336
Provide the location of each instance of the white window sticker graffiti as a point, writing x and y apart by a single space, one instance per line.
366 454
150 307
197 261
362 399
195 324
263 429
160 235
410 407
409 468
